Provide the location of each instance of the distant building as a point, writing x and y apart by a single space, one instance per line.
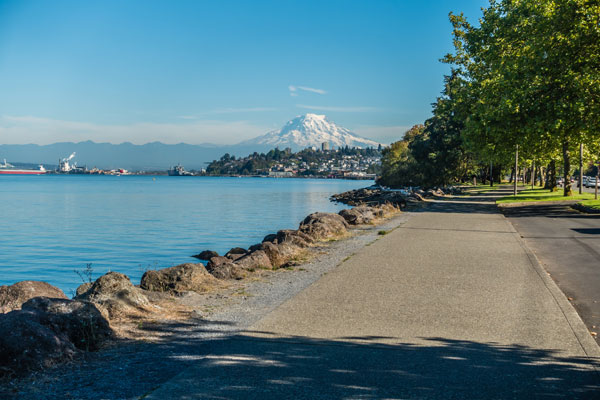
325 146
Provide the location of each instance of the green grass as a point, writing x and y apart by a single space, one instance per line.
591 203
543 195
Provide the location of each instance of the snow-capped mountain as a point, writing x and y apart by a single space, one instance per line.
311 130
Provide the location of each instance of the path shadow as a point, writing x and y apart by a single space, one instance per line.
260 365
249 367
548 211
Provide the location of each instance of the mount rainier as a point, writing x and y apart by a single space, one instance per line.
310 130
303 131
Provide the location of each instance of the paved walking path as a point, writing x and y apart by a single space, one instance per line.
451 305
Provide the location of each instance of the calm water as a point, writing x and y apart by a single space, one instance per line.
53 225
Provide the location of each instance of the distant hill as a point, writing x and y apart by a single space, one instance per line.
147 157
311 130
303 131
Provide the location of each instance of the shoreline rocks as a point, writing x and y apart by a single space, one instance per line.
375 196
115 296
180 278
370 196
56 328
13 296
206 255
48 331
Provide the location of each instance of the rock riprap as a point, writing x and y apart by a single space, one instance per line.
13 296
180 278
206 255
322 226
115 296
47 331
40 327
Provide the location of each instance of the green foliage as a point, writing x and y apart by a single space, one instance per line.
533 72
527 75
260 163
434 154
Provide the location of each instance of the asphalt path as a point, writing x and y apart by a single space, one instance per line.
449 305
567 243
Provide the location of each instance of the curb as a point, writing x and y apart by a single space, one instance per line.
582 334
534 203
585 209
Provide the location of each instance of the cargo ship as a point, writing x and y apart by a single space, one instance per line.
9 169
178 170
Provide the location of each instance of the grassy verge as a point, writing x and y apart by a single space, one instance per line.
543 195
478 188
591 203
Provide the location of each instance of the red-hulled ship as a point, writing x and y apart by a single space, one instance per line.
8 169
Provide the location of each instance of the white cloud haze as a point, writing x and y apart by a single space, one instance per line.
382 134
294 90
337 109
29 129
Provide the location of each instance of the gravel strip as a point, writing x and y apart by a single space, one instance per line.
132 369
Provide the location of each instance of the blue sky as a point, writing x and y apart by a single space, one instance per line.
218 71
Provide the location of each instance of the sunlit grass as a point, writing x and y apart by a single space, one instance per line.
541 194
591 203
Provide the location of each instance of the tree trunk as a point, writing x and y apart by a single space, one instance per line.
512 175
540 175
533 170
567 170
551 176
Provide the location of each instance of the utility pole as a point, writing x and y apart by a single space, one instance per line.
516 170
581 168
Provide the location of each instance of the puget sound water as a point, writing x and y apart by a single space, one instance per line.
53 225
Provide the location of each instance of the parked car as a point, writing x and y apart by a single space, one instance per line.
585 178
591 182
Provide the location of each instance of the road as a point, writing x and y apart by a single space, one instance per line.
567 243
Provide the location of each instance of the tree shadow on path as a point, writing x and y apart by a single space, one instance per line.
270 367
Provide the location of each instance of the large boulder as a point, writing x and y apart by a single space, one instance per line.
271 237
114 294
81 321
28 345
320 226
235 253
48 331
180 278
295 237
13 296
280 254
255 260
358 215
206 255
225 269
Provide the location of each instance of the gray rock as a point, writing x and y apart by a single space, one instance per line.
48 331
180 278
206 255
320 226
255 260
226 270
13 296
115 296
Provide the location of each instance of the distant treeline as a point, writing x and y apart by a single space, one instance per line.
261 163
